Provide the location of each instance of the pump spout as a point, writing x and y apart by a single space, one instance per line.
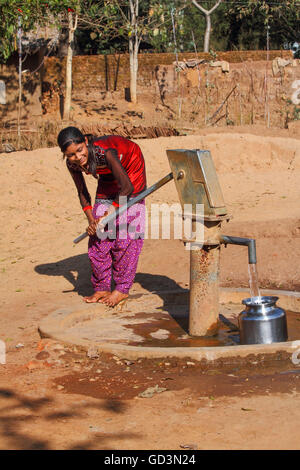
249 242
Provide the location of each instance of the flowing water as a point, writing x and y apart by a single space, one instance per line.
253 283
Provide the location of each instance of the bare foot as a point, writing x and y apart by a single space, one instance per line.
114 298
96 296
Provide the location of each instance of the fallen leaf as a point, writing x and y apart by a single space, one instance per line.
93 352
149 392
189 446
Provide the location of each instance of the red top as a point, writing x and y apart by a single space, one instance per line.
131 159
124 173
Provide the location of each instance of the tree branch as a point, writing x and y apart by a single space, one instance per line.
207 12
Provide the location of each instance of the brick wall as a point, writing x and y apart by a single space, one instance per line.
98 73
111 72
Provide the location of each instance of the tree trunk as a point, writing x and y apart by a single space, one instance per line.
133 48
207 33
67 104
134 63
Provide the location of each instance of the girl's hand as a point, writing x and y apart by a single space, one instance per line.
109 211
91 230
99 225
96 223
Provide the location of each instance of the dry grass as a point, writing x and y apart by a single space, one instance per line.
45 134
42 135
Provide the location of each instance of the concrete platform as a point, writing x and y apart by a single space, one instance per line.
154 325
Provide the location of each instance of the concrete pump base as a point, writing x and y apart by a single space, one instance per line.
145 318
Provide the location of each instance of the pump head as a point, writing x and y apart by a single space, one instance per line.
197 182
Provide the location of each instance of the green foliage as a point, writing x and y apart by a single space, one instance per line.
294 114
104 25
102 28
30 13
93 42
113 24
189 27
160 36
111 20
195 25
249 21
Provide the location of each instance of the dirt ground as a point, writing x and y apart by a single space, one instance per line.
53 396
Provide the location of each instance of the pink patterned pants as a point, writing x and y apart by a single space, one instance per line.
117 257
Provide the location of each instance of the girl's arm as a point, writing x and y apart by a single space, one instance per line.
83 194
114 164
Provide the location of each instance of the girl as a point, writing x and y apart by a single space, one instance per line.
119 166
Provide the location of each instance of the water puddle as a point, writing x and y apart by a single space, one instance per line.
162 330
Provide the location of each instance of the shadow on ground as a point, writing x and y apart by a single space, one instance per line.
153 283
19 416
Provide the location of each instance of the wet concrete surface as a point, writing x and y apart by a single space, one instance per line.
168 329
176 332
156 326
173 333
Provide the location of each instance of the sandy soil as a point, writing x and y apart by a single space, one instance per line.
55 397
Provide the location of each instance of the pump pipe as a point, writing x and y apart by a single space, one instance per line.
249 242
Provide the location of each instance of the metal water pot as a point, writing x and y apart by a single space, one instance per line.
262 322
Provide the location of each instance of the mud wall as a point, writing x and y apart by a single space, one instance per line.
193 93
31 86
248 93
111 72
244 91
